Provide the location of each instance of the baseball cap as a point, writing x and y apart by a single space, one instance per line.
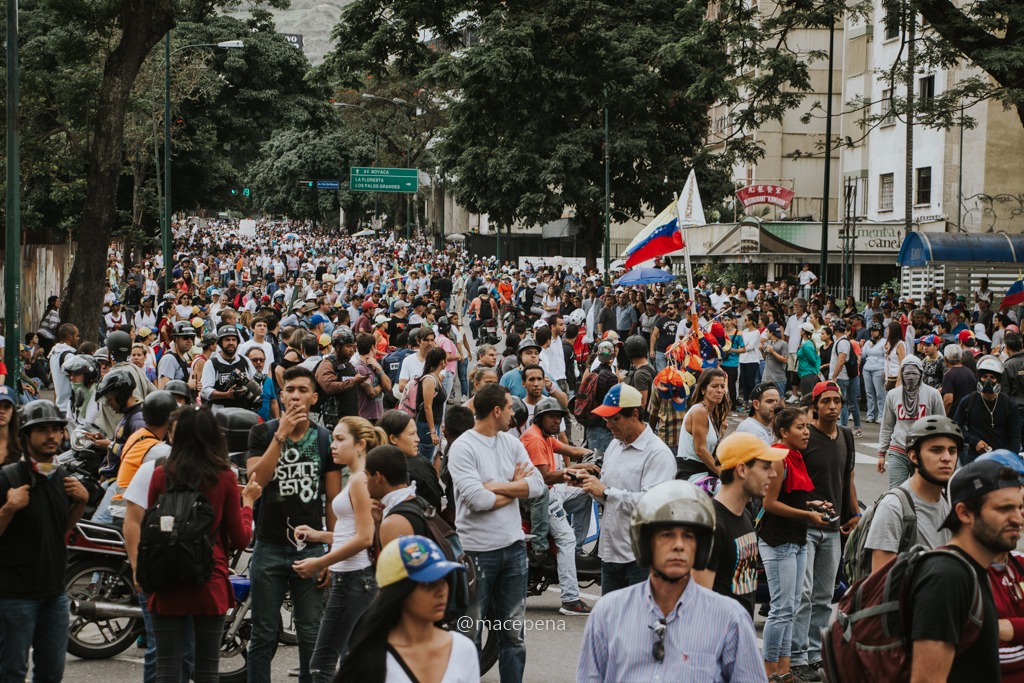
324 340
742 447
964 336
144 332
821 387
369 305
807 327
618 397
413 557
774 328
381 319
265 299
297 306
975 480
401 304
7 394
928 339
317 320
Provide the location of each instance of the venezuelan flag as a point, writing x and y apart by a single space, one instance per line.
1014 296
660 237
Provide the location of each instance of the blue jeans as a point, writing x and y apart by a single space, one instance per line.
272 577
102 513
463 371
898 467
180 637
149 659
618 575
851 396
660 362
598 438
784 568
874 385
351 595
427 447
501 581
816 599
40 624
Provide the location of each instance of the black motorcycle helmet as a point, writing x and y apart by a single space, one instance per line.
178 388
636 347
520 413
83 365
444 326
39 413
120 346
157 407
119 384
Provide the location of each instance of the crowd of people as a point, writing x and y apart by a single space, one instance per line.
415 407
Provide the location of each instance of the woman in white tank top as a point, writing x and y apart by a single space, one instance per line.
353 586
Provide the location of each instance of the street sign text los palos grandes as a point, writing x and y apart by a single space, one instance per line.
373 179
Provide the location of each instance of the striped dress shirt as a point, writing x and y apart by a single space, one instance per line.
708 638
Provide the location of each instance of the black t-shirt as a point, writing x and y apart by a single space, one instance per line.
667 329
734 556
960 382
642 378
32 552
412 510
942 592
606 319
776 529
295 495
427 485
348 402
829 464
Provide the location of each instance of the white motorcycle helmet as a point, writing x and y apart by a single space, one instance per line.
992 365
577 317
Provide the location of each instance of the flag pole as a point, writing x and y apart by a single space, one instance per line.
689 269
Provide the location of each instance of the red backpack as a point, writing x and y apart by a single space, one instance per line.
870 636
586 400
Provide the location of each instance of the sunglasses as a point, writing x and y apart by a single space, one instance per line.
658 651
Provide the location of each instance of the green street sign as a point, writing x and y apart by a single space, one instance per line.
373 179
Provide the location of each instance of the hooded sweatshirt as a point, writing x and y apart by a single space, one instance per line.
906 404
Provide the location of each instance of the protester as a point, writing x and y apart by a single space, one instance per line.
41 504
399 639
904 405
671 536
703 426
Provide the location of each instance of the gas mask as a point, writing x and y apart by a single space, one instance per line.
989 386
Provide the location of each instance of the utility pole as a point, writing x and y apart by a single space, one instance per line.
823 265
908 200
12 246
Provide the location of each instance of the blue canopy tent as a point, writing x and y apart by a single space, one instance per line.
937 260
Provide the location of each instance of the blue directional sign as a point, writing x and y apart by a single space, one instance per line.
328 184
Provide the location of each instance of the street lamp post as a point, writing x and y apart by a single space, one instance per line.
399 102
165 228
376 145
12 246
607 200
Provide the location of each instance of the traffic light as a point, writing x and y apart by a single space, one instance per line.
233 192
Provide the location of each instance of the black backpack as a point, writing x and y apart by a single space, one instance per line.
464 586
176 542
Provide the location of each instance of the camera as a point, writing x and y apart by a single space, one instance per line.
826 514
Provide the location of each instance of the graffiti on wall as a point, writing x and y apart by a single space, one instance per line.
993 213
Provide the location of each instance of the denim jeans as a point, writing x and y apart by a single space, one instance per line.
781 386
501 581
748 379
851 397
174 640
149 658
40 624
351 595
427 447
463 371
539 523
618 575
898 467
102 513
272 577
598 438
660 362
784 568
823 550
580 507
874 385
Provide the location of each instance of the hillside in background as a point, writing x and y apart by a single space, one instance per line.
313 19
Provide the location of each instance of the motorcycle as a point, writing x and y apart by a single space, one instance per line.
82 461
513 314
105 616
488 332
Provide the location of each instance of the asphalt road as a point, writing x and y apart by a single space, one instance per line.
552 644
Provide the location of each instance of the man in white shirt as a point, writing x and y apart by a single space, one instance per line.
552 356
490 471
66 346
793 339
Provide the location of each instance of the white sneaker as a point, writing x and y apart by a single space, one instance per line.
792 399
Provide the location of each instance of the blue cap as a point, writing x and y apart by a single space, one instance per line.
317 320
7 394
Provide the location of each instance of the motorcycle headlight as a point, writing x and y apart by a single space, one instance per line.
80 440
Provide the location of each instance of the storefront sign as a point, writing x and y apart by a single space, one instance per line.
776 195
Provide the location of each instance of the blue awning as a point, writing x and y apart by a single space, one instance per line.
924 248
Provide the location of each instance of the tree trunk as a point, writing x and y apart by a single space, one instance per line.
143 24
592 234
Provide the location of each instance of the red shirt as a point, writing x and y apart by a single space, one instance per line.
234 524
1008 592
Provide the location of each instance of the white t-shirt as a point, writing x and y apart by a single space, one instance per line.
138 490
751 342
463 664
412 367
806 277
